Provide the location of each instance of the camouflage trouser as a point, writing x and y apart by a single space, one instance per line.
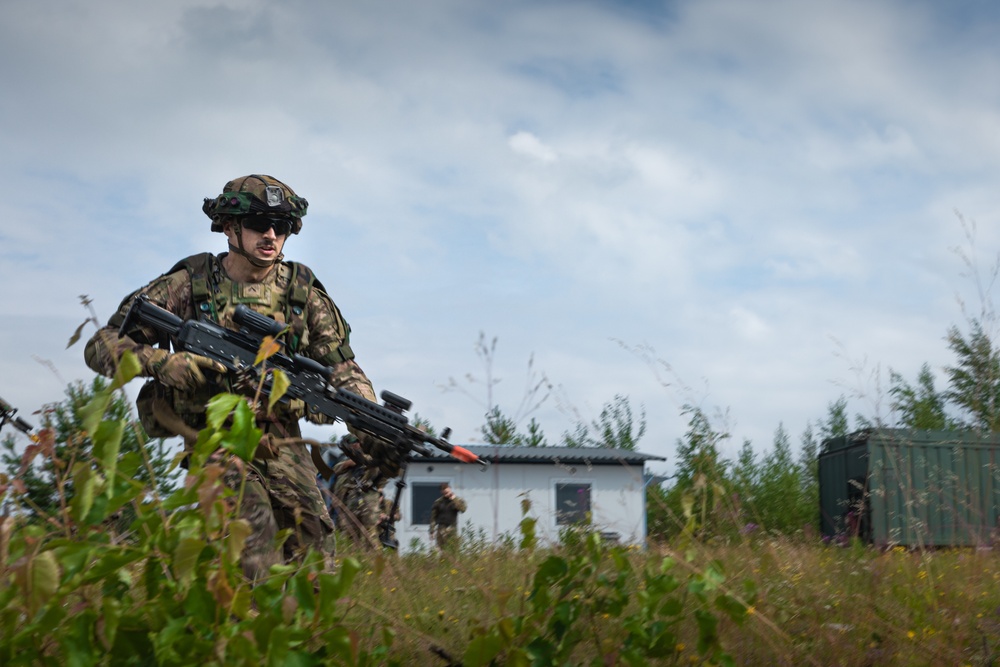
359 516
445 536
280 494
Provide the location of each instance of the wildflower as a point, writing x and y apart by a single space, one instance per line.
679 648
751 610
911 634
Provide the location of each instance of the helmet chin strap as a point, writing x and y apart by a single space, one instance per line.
259 263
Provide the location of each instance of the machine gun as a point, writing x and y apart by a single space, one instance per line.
309 380
7 416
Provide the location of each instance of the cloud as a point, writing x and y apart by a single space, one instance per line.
733 184
525 143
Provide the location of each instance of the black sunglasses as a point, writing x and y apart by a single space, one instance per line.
260 224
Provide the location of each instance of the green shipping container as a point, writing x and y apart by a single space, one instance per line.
912 488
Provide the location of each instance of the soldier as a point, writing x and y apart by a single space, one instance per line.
257 214
444 517
360 504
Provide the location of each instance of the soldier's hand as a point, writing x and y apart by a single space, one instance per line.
182 370
387 458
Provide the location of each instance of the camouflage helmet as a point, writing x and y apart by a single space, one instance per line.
257 194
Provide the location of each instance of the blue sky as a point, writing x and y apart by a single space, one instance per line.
762 198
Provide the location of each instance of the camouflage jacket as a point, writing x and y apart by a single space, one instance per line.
198 287
445 511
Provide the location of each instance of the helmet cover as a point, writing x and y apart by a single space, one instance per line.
257 194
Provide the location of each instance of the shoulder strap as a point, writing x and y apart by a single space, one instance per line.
297 300
201 268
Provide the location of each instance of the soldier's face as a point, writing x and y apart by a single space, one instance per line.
264 245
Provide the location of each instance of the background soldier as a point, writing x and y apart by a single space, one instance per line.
256 213
444 517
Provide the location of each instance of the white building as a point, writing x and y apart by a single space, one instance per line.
565 486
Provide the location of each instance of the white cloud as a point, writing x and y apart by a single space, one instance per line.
525 143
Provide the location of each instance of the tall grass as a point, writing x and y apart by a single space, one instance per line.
803 603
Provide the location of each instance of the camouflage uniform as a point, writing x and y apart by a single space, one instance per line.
444 520
358 503
280 486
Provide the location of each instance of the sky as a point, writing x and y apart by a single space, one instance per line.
753 208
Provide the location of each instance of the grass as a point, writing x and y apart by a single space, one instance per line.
812 604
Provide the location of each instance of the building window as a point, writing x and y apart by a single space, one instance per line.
422 497
572 503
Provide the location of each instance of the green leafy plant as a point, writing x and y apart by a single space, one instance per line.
596 607
173 593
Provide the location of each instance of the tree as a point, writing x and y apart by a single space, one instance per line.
746 473
698 451
809 456
975 381
920 407
835 425
499 429
809 478
700 479
780 482
615 428
534 437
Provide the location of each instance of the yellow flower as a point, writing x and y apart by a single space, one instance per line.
911 634
751 610
679 648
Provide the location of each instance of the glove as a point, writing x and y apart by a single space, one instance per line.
181 370
388 460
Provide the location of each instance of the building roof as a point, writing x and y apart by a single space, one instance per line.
563 455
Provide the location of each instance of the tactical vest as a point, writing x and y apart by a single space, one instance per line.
214 297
